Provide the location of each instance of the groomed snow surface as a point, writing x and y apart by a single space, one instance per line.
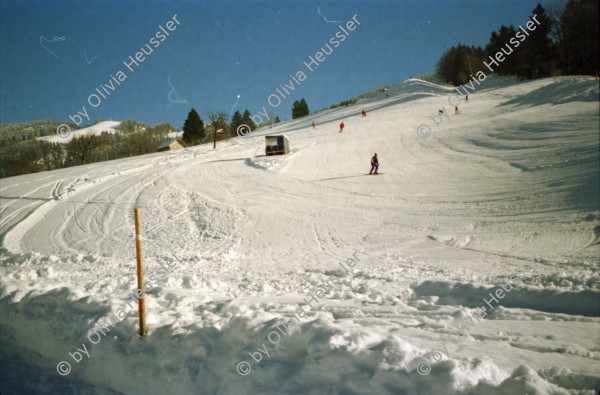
245 238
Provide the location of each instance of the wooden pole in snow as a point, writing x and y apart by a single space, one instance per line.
140 272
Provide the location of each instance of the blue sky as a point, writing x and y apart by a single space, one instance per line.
222 49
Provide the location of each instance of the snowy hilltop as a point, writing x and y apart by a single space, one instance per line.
65 135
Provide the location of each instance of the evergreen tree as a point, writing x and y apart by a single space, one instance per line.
193 128
444 65
580 24
247 119
236 121
277 120
296 110
454 66
300 109
460 68
513 63
539 45
458 64
303 108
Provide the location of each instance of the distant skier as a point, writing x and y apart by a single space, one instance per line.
455 110
467 98
374 164
364 113
313 125
342 127
440 112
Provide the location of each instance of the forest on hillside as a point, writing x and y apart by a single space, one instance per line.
22 152
565 42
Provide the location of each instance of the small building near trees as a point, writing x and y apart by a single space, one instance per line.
171 145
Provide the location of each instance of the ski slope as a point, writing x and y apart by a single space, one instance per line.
513 176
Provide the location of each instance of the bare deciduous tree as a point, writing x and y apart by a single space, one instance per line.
83 146
218 120
555 11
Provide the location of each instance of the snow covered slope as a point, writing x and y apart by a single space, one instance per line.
247 238
97 129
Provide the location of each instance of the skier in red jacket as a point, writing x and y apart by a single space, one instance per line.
342 127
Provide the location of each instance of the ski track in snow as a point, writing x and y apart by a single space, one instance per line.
453 216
